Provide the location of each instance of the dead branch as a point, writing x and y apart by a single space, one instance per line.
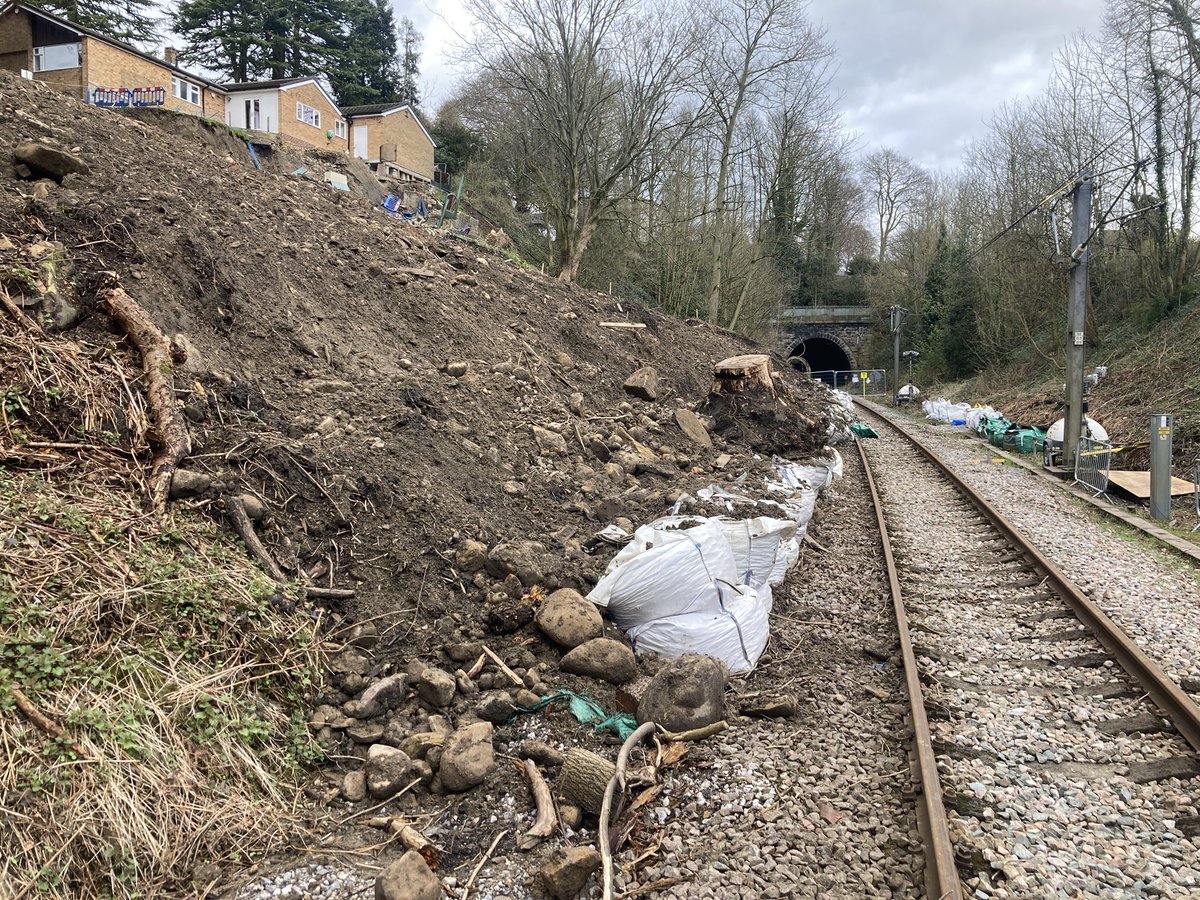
235 511
43 722
169 437
547 818
616 785
486 856
13 310
696 734
513 676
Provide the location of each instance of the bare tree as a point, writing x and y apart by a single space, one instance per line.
595 83
896 184
757 47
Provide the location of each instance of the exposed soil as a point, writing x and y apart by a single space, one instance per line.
389 391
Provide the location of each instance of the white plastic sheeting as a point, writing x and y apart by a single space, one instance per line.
737 633
978 413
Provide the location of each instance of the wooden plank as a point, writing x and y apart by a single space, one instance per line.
1138 484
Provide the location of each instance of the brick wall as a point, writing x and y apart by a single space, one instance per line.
293 130
16 41
414 152
111 67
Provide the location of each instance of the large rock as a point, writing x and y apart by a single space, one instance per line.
688 692
601 658
467 757
643 384
568 870
496 707
409 878
437 687
568 619
548 441
43 160
384 694
387 771
471 555
520 559
691 425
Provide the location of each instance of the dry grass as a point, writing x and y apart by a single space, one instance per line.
166 688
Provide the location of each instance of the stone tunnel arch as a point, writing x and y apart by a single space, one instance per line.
821 353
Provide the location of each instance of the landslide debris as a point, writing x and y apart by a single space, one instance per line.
425 431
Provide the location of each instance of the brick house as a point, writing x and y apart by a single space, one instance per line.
390 137
299 110
98 69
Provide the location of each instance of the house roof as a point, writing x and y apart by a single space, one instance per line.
283 84
100 36
385 109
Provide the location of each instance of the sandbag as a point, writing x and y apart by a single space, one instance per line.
735 633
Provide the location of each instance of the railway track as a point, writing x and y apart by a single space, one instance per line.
1054 758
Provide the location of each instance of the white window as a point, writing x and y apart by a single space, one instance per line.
308 115
185 90
57 56
339 128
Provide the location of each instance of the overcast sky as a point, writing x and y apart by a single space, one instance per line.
922 76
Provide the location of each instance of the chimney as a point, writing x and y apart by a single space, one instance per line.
170 55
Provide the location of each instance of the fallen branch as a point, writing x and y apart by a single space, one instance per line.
486 856
547 819
622 325
695 734
616 785
321 593
43 722
235 511
516 679
169 437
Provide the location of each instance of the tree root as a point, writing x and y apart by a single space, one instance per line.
169 437
616 785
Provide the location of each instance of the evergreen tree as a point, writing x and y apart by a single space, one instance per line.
220 36
126 20
368 63
410 71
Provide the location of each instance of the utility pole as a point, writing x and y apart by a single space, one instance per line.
1081 220
897 314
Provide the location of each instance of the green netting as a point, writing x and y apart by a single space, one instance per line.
1025 439
863 431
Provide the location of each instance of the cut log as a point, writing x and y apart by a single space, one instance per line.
169 437
584 779
738 374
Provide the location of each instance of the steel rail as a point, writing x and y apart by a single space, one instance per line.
941 874
1161 688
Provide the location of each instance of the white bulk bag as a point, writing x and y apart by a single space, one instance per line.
735 633
762 549
666 572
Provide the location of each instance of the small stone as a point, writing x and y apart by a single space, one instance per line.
417 746
457 368
471 556
409 878
365 732
467 757
691 425
568 619
548 442
526 698
437 687
354 786
464 652
602 658
571 815
643 384
186 483
387 771
496 708
568 870
384 694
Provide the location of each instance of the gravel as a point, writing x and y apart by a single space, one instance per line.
1045 807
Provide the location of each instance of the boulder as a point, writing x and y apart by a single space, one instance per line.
387 770
43 160
437 687
409 878
601 658
467 757
643 384
568 870
568 619
688 692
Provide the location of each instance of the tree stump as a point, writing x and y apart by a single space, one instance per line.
738 374
584 779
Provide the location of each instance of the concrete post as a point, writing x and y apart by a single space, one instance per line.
1081 220
1161 431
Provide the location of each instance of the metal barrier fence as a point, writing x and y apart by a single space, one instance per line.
1092 462
854 381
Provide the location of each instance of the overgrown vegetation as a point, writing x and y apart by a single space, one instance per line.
153 692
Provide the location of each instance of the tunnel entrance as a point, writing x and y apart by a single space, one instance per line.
820 354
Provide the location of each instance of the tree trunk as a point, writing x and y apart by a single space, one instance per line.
584 779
